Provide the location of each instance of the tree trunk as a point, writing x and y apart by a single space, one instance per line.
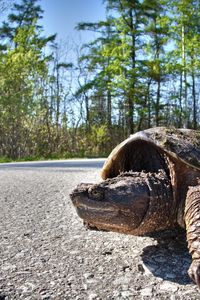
57 97
194 102
157 102
109 108
180 124
131 98
130 116
87 112
184 77
149 104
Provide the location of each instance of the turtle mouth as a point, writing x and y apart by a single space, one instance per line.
95 207
105 212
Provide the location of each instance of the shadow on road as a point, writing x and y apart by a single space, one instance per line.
169 259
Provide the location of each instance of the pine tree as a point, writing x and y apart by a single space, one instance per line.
23 14
98 64
156 29
185 32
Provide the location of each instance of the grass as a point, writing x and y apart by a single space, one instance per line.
5 159
55 156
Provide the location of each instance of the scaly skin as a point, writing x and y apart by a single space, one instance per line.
192 220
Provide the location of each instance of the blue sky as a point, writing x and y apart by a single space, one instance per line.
61 16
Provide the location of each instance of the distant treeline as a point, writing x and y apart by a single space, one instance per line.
141 70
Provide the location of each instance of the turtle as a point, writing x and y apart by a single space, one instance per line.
150 182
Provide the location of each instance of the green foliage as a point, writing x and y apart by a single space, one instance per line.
5 159
22 67
141 70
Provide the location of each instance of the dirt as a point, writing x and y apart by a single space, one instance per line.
46 253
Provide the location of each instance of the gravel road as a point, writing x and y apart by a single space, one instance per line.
46 253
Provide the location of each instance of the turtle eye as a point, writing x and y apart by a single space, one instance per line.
96 193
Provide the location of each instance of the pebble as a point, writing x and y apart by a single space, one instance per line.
101 269
46 297
91 281
167 286
146 291
88 275
126 294
92 296
122 280
19 255
7 267
71 278
143 269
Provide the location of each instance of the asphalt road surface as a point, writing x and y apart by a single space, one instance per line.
46 253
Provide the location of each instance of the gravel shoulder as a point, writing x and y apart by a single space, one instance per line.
46 253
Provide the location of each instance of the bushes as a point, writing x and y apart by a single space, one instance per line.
49 142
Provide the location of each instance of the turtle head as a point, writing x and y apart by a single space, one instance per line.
133 203
118 204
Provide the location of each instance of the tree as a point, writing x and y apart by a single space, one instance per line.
23 68
185 31
156 29
58 91
20 68
113 54
98 63
24 14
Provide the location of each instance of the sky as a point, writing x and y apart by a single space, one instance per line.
61 16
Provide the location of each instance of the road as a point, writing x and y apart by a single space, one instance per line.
46 253
70 163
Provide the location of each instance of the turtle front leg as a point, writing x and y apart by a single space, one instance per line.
192 221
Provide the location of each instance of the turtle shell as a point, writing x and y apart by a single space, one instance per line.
146 150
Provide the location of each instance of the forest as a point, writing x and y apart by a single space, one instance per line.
141 70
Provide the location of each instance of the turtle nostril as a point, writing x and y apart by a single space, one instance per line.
73 197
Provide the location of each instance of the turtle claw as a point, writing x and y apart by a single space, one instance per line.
194 272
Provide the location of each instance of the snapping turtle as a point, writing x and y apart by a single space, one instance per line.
151 182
